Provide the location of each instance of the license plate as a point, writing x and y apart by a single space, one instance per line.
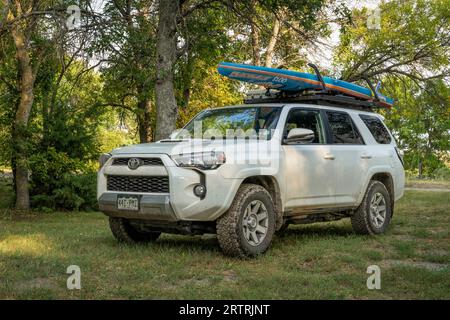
127 202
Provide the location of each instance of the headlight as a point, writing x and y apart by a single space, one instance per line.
201 160
103 158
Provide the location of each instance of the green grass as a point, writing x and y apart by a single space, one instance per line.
321 261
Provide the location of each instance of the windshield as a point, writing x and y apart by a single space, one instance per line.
241 122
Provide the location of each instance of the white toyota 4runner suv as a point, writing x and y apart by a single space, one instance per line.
248 171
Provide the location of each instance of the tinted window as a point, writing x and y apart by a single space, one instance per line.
306 119
342 129
377 129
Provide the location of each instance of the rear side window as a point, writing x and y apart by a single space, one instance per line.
377 129
342 129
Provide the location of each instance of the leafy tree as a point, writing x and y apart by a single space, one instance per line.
36 55
20 28
174 16
279 33
410 54
413 41
420 121
126 43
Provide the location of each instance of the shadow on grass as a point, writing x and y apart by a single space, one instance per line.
314 230
166 241
210 243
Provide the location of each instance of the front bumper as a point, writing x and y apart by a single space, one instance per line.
180 203
151 207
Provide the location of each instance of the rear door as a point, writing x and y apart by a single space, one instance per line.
350 154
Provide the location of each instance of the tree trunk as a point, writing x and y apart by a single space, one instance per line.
144 121
19 132
272 43
420 169
255 44
254 34
166 48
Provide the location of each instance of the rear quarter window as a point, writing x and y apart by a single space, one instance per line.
342 128
377 129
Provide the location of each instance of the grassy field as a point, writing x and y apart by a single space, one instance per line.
323 261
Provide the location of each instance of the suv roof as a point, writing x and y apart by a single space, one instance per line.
304 104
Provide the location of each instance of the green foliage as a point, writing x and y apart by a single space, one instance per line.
409 54
110 139
61 182
62 138
412 40
442 173
129 76
8 98
420 122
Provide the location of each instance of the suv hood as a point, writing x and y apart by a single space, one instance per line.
172 147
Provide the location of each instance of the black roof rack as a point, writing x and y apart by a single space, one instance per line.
332 100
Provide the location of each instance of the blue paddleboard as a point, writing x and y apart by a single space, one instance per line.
288 80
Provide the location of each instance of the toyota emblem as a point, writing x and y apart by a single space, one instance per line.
134 163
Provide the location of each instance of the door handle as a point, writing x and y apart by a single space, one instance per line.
366 156
328 156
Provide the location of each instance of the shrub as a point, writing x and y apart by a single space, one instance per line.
61 183
442 174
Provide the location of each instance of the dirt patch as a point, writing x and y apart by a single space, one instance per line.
230 276
37 283
431 266
427 184
404 237
428 189
196 282
439 253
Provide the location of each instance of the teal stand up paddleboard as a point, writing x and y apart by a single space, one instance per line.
294 81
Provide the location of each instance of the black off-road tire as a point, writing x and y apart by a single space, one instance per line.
230 226
123 231
361 222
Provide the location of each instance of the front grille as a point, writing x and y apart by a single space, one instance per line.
155 184
144 161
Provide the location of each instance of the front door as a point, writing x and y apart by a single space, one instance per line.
309 168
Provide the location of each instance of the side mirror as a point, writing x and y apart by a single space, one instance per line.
300 135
